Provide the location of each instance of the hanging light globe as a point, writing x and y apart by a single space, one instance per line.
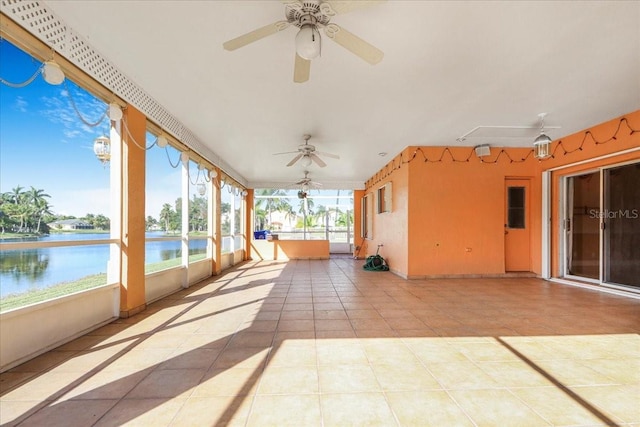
201 188
102 149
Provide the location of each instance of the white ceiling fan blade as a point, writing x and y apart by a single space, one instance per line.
255 35
301 69
318 160
286 152
295 159
315 184
354 44
322 153
341 6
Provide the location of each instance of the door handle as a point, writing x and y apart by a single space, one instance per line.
506 231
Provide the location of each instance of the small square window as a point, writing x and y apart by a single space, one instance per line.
384 198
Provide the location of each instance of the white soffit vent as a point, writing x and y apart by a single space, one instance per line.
42 23
506 132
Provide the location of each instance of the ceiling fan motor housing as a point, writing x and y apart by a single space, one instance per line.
308 13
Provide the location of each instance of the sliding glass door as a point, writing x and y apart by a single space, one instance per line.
602 226
621 216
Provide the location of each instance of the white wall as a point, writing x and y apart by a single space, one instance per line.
30 331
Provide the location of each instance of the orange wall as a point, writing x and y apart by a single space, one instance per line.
289 249
624 140
448 217
391 229
457 212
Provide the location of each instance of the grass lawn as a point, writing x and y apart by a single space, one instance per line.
12 301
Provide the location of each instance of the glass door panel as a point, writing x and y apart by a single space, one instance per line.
582 226
622 225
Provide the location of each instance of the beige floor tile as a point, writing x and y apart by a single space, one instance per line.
47 386
213 411
404 376
295 325
347 379
12 412
621 370
228 382
252 339
461 375
289 354
558 407
388 351
514 374
82 412
330 315
620 402
106 385
289 380
427 408
297 315
573 373
496 407
358 409
333 325
242 357
341 352
168 383
370 324
363 314
214 340
141 412
285 410
486 352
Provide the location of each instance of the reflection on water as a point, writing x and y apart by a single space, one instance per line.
30 269
29 264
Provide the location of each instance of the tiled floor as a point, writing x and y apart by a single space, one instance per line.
324 343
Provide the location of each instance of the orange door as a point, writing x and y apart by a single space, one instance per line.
517 247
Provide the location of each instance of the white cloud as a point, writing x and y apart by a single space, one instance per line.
21 104
60 110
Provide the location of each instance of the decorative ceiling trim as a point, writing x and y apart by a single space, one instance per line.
43 24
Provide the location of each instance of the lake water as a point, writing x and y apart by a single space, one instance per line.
31 269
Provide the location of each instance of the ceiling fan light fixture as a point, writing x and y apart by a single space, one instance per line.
306 161
308 42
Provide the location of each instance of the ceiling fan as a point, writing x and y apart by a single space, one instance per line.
305 185
309 154
309 16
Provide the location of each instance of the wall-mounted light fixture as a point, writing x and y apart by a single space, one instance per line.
482 150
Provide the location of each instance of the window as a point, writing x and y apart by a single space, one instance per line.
384 198
516 208
56 195
163 207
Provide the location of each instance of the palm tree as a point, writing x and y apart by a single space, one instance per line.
165 215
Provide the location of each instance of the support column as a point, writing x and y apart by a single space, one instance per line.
216 268
358 240
248 229
132 234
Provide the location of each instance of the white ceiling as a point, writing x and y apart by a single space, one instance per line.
448 68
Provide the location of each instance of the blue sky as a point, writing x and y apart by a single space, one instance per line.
44 144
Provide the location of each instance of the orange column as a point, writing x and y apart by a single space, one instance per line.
132 286
359 243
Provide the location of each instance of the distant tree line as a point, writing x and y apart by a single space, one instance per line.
28 211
